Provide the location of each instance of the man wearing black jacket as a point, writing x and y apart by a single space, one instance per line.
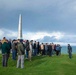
70 51
50 49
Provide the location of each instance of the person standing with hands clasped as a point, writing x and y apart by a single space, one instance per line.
70 51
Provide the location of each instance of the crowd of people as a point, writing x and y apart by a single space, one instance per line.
21 49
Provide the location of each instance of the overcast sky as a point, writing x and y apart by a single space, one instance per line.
55 19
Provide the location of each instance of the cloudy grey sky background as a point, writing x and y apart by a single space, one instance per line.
43 20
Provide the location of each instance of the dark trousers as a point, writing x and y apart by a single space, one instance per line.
35 52
50 53
46 52
57 52
4 60
70 55
27 53
14 54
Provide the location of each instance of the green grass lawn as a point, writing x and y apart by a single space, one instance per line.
42 65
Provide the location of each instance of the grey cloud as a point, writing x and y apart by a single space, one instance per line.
34 4
65 39
39 15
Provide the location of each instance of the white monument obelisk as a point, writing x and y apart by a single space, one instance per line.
20 27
